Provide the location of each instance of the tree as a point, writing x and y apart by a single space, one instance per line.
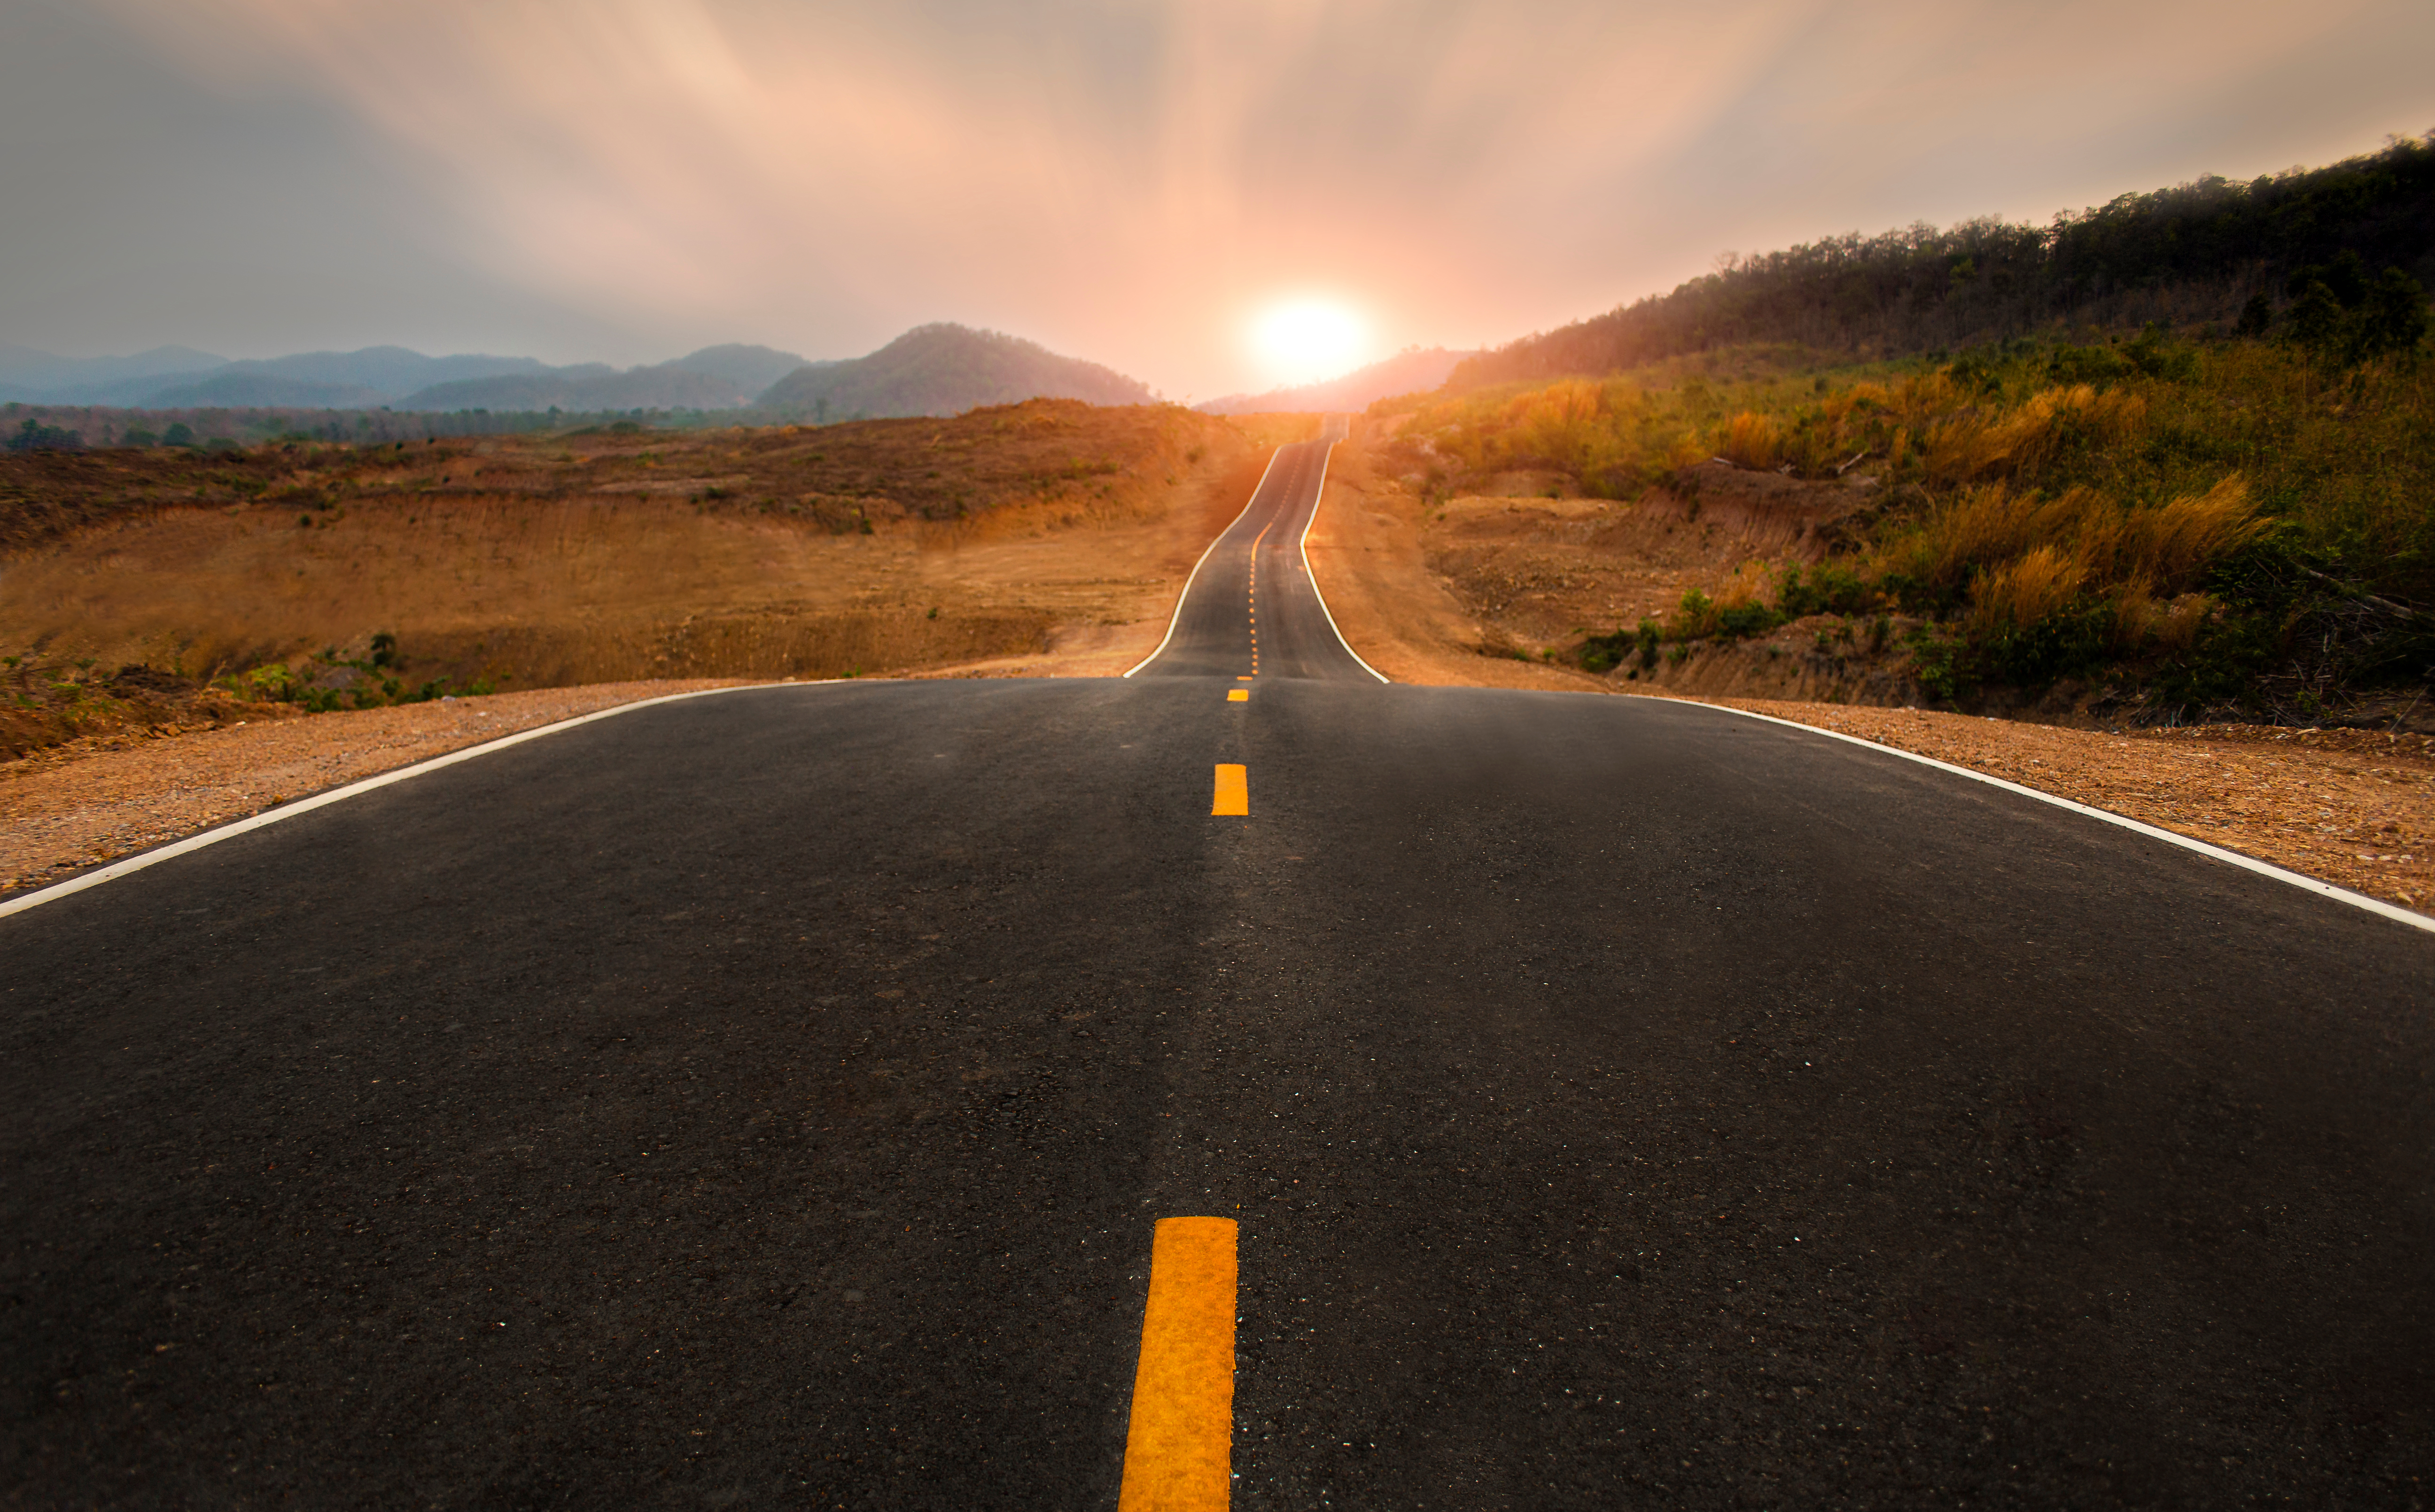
35 437
2317 319
2392 317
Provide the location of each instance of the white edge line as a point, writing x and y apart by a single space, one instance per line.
1177 618
229 831
1316 500
2264 869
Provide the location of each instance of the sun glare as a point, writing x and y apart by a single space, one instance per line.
1308 340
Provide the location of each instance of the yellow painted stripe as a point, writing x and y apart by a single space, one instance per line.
1238 696
1234 792
1179 1448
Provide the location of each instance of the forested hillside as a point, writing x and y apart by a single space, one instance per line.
2212 250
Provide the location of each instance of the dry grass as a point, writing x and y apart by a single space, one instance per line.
2164 524
2022 559
1000 534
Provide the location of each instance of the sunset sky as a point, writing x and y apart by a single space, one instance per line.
1140 183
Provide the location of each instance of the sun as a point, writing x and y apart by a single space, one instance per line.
1305 340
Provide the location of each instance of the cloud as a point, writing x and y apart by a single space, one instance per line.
1130 180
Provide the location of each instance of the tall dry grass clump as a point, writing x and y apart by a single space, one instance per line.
1752 440
2028 589
1979 444
2023 560
2174 544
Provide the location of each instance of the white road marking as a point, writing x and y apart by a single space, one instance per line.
1324 459
1186 597
2264 869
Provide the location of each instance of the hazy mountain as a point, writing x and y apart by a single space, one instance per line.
750 369
390 372
1406 371
945 369
42 377
230 388
668 386
942 369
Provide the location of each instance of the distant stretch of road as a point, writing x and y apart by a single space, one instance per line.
1252 609
767 1099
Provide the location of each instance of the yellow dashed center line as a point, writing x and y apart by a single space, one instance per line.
1251 600
1238 696
1234 794
1179 1448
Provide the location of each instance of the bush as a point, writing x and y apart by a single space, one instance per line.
1830 588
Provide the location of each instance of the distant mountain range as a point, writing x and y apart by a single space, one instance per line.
945 369
1408 372
935 369
182 378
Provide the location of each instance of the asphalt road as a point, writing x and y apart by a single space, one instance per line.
764 1100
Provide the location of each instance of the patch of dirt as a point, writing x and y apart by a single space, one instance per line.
1369 549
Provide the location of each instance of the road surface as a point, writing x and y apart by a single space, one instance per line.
765 1100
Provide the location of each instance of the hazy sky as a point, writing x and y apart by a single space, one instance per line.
1132 181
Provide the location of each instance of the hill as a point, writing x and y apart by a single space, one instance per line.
2202 251
945 369
230 389
751 369
389 372
27 373
1408 372
667 385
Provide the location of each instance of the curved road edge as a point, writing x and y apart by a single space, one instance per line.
1317 501
1183 595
